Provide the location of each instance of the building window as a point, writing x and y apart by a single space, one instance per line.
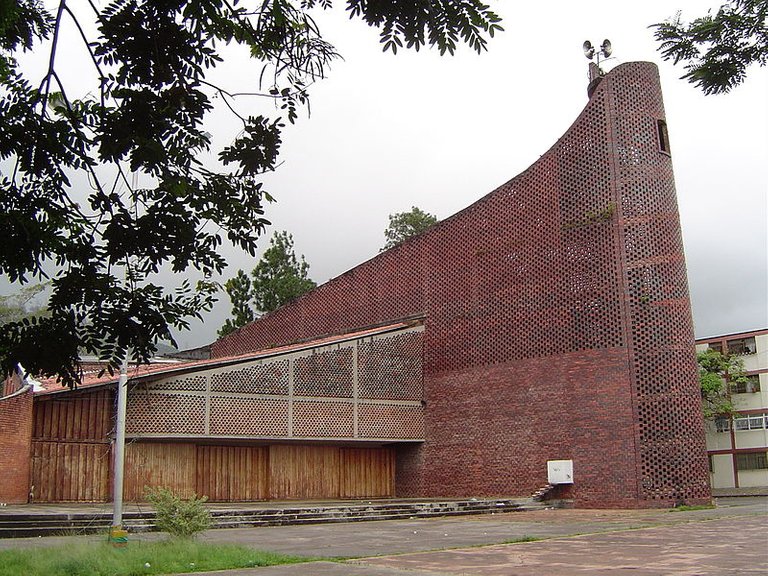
752 384
711 463
750 422
723 424
752 461
741 346
715 347
663 137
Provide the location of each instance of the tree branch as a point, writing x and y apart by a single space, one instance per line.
54 43
90 51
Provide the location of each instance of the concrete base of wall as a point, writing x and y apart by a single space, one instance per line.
729 492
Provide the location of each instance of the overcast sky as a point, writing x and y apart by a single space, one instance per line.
390 132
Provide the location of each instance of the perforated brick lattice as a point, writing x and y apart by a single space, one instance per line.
671 445
391 368
323 419
249 417
324 374
387 421
267 377
521 274
180 383
255 399
164 414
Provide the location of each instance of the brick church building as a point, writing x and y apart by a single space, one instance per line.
548 321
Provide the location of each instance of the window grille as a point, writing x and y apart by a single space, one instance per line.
752 461
751 422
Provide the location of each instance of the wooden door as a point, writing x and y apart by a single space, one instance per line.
71 451
367 473
70 472
303 472
166 465
232 473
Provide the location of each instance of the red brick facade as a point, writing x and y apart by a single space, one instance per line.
15 442
557 317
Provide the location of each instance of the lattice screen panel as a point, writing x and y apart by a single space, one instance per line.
387 421
391 368
324 374
196 383
165 413
319 419
266 377
259 417
256 399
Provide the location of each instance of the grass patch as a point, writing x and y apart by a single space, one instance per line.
689 508
137 559
522 539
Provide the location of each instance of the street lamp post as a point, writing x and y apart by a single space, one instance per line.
118 536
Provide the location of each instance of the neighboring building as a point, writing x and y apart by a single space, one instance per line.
16 402
546 324
738 446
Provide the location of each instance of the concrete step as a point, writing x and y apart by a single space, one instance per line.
281 520
360 511
26 525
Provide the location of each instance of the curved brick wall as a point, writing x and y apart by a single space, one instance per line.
15 443
557 318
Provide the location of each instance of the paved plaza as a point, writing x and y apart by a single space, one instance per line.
728 540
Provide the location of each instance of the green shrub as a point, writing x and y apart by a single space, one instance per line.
180 518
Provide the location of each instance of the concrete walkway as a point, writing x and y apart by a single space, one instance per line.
731 539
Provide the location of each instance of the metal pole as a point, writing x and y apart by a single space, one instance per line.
119 460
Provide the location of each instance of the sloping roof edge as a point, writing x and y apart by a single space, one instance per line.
145 372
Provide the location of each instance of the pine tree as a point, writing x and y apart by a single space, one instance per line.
278 278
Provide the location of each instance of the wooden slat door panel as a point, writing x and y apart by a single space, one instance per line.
85 417
367 473
232 473
79 471
303 472
167 465
70 471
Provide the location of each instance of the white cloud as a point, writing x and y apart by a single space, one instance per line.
388 132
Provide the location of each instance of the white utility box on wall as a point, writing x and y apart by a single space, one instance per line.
560 471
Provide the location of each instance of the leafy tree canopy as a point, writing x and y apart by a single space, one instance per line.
716 372
70 206
278 278
22 304
717 50
403 225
